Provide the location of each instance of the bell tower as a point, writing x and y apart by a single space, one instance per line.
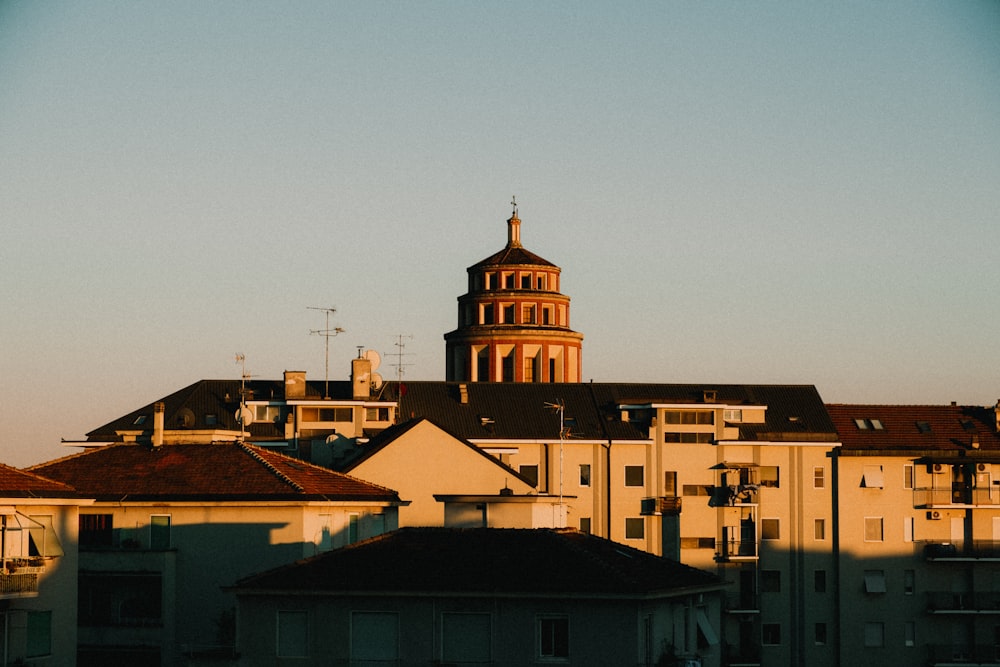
513 323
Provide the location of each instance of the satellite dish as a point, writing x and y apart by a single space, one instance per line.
244 416
377 381
185 418
374 357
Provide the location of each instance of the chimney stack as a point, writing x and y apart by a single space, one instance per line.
158 409
361 378
295 384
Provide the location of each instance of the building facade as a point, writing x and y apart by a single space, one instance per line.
513 322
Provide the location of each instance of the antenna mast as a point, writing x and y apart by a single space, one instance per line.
327 334
400 353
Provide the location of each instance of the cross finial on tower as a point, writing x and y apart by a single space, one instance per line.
513 202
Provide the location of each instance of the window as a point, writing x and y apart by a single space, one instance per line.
352 528
634 476
507 368
140 420
211 419
697 543
820 634
374 637
528 314
875 581
770 581
526 281
293 634
508 280
873 529
635 528
530 473
869 424
688 417
908 476
377 414
771 634
872 477
585 524
486 313
541 282
924 427
268 413
819 477
732 415
909 581
770 529
159 532
96 530
909 633
874 634
344 414
769 476
466 638
670 483
530 363
119 600
553 637
819 581
584 474
689 438
908 522
39 631
819 529
508 313
697 489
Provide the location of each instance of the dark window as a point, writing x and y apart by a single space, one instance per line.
526 281
530 473
770 581
771 634
585 524
584 474
553 637
820 634
508 368
769 476
819 581
487 314
96 531
119 600
635 528
634 476
508 314
770 529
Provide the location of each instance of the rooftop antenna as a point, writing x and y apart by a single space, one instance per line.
244 415
327 334
400 353
560 406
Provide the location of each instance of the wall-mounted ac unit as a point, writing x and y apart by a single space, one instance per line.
981 467
934 515
937 468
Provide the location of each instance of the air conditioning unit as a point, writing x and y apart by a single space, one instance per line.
981 467
934 515
937 468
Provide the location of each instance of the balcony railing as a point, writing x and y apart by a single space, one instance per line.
665 505
19 584
942 602
961 550
734 547
947 496
742 603
945 654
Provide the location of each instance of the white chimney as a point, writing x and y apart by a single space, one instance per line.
158 409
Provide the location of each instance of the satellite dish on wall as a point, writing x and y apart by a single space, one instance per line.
244 416
185 418
377 381
374 357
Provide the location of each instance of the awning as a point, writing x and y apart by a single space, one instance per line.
707 631
873 477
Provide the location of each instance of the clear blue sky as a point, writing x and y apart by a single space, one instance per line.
737 192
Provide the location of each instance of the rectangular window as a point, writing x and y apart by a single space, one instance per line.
908 476
159 532
732 415
697 489
530 473
635 528
553 637
529 369
528 314
874 634
703 417
689 438
508 280
909 633
584 474
820 634
352 528
343 414
634 476
96 531
770 581
377 414
466 638
819 529
374 638
875 581
293 634
508 313
507 368
770 529
670 483
872 477
873 529
771 634
697 543
486 313
819 477
526 281
769 476
819 581
908 522
39 631
909 581
585 524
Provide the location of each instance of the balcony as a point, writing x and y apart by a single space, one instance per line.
736 545
742 603
955 496
968 550
942 602
944 655
662 505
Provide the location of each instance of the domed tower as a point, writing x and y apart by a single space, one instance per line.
513 323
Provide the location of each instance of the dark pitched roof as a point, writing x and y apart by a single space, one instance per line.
915 427
16 483
512 255
513 411
528 562
229 471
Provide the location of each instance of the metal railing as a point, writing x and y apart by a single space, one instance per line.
946 601
947 495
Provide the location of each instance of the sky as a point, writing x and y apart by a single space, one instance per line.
737 192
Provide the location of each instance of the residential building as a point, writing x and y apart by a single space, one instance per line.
917 533
172 524
513 322
437 596
38 569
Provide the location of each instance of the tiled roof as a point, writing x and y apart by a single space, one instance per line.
915 427
486 561
16 483
513 255
204 472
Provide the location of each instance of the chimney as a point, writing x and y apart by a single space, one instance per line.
361 378
996 411
158 409
463 394
295 384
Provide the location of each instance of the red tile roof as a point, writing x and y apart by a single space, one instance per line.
16 483
218 471
915 427
487 561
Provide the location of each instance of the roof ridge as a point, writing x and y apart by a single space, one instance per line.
270 466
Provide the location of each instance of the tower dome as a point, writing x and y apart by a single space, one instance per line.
513 323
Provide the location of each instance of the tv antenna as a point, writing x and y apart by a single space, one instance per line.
564 432
327 334
400 365
244 415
